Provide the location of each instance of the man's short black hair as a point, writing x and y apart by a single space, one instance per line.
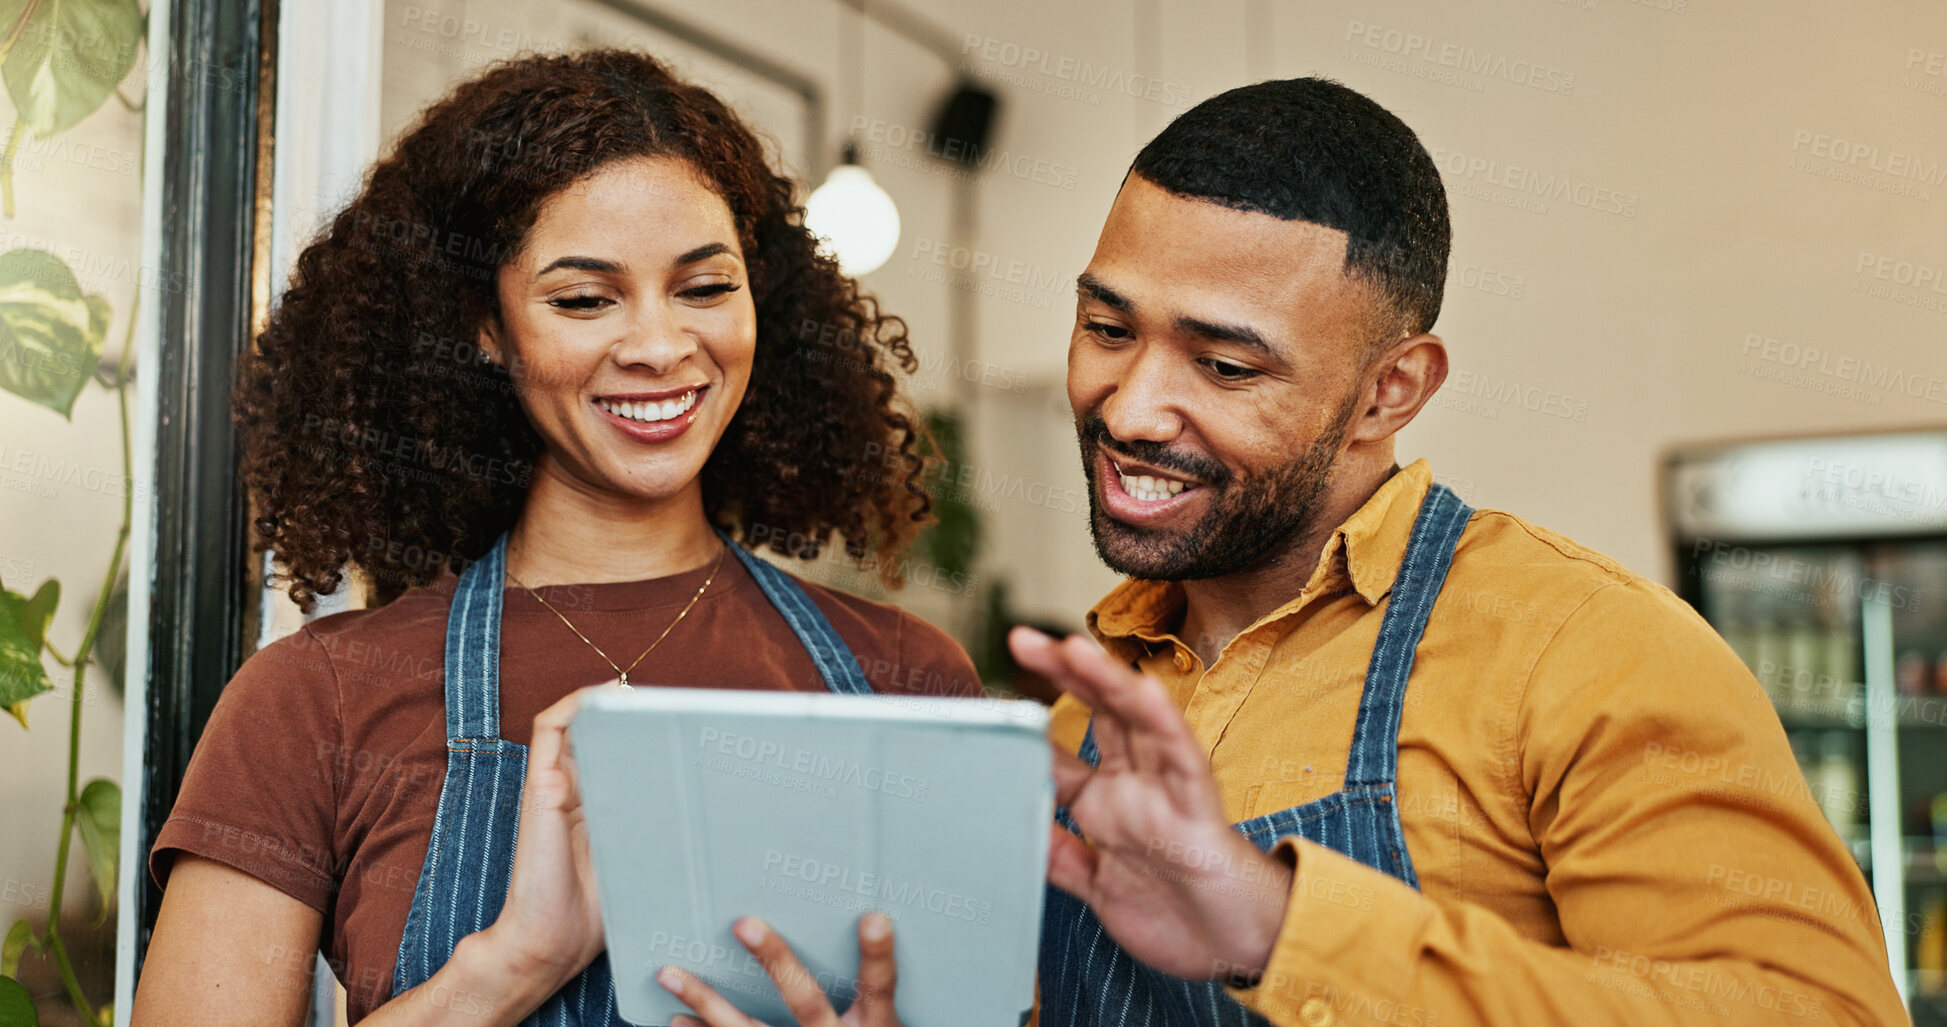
1310 149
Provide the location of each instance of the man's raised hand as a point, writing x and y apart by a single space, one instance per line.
1163 870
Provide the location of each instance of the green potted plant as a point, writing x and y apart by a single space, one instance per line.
61 60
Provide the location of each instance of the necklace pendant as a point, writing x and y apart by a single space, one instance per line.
622 676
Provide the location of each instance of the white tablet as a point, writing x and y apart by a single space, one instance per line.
809 809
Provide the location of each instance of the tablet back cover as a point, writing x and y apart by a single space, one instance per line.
808 810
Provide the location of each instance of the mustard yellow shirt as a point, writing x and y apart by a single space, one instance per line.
1601 806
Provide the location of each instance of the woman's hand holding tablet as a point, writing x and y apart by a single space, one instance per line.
550 927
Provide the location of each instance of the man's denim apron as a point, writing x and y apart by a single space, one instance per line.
471 855
1088 981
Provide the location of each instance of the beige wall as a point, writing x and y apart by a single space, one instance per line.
1585 340
1704 121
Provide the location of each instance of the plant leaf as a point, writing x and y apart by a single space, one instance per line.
23 632
100 820
952 541
19 937
112 639
51 335
36 612
68 59
16 1006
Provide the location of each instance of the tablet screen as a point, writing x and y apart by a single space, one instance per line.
808 810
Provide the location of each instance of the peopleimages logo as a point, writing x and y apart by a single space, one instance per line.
1460 57
1901 272
818 766
440 24
1926 71
1004 54
1527 396
1531 185
1865 165
877 890
1868 156
963 157
1901 281
1844 368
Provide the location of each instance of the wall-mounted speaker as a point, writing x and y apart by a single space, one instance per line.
963 122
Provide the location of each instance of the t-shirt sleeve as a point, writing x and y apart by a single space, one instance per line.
260 792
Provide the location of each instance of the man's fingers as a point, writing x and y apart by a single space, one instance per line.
1049 658
1154 728
1044 655
1071 772
1035 651
711 1008
1110 685
1071 863
878 973
800 991
1136 705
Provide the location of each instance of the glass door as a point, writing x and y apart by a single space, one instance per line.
1823 562
1792 614
1850 643
1909 650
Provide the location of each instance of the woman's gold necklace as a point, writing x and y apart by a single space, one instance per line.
622 673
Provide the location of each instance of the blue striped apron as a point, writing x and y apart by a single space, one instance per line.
471 856
1088 981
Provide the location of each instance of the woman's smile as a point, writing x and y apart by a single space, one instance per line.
652 416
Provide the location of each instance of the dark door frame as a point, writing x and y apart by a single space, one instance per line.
214 226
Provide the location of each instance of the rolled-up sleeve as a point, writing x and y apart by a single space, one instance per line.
1695 878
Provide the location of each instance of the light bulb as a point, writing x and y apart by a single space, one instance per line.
857 221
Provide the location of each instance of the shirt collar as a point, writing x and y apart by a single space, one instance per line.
1376 535
1366 549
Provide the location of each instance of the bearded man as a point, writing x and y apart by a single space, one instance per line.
1357 753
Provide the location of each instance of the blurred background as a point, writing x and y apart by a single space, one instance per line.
1697 308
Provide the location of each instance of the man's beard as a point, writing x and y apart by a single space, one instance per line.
1249 518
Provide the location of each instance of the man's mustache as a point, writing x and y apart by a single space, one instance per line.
1095 431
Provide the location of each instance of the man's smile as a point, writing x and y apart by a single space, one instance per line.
1141 494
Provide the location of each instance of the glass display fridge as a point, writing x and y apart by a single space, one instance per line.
1823 562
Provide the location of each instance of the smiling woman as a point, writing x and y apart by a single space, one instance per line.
572 335
378 345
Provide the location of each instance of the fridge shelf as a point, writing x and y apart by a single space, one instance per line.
1823 713
1926 862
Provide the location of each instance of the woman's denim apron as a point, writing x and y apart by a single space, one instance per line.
1088 981
471 855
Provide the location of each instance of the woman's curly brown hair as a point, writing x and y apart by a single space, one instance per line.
374 433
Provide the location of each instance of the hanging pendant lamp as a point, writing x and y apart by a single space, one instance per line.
857 221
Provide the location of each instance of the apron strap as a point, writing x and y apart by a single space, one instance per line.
473 648
1374 759
835 662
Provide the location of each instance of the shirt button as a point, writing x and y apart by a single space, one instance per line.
1315 1013
1183 660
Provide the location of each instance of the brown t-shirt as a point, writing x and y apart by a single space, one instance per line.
321 767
